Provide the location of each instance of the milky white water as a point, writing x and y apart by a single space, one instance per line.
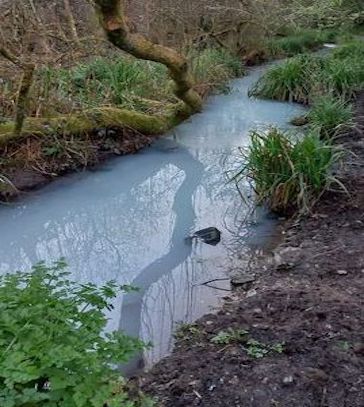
128 220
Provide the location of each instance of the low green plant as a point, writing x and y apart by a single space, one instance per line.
54 350
288 173
258 350
344 345
187 331
330 115
230 336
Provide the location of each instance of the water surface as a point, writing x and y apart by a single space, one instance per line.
128 221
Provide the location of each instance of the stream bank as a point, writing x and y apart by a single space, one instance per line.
39 160
308 300
128 221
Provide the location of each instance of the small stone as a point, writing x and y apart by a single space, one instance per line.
342 272
287 257
101 133
251 293
288 380
257 311
211 235
299 121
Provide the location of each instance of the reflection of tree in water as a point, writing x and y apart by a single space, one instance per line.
177 297
180 295
102 235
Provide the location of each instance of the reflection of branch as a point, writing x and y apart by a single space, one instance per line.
215 279
206 283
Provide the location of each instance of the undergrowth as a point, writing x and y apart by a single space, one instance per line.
53 348
288 173
119 81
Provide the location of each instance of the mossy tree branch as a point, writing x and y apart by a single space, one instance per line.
89 120
113 21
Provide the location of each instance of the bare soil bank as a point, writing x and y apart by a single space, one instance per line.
312 303
38 160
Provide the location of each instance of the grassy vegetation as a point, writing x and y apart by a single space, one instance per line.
299 42
288 173
121 81
290 81
329 115
306 77
213 67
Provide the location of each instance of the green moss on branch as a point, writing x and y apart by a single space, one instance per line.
87 121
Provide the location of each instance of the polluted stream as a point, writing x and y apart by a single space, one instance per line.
128 221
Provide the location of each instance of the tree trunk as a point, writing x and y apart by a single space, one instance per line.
23 93
113 21
22 100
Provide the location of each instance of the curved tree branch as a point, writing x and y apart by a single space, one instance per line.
111 15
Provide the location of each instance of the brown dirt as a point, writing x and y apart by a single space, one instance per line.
39 160
314 307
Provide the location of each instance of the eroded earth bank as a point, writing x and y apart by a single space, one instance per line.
303 316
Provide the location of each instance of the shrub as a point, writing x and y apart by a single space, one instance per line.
329 115
286 173
53 349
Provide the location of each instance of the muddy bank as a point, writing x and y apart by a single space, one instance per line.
36 161
304 311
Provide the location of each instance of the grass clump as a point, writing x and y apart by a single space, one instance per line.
54 351
351 49
305 77
291 81
286 173
330 115
299 42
